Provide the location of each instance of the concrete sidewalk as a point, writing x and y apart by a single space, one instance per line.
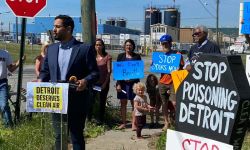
123 140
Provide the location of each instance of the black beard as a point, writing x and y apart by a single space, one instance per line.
57 38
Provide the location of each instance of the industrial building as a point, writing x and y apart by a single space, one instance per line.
170 17
117 21
152 16
157 30
38 27
186 35
159 21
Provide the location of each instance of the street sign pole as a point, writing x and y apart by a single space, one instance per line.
16 30
24 9
20 72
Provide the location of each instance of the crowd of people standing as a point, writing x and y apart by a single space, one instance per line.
62 60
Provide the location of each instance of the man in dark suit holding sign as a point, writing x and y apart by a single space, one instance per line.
66 59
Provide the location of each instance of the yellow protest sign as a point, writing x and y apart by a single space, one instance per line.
47 97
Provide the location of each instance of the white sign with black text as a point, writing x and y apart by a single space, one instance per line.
183 141
248 67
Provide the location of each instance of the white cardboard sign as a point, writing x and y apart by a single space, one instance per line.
248 67
47 97
183 141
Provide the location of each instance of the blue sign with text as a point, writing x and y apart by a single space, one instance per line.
165 63
245 29
125 70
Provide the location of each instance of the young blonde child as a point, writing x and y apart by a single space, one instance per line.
141 107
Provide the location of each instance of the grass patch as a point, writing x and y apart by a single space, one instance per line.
35 134
246 142
161 142
111 119
93 130
38 133
31 51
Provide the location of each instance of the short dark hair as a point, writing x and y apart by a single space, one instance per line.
131 42
67 21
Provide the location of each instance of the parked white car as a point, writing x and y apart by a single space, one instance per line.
239 48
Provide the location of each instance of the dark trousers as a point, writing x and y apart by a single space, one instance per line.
100 99
72 123
103 100
140 123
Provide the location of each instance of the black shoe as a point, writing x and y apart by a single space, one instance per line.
151 126
157 125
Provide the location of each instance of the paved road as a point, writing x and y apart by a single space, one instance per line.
123 140
29 75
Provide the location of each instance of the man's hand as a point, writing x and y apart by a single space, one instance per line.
188 68
82 84
12 67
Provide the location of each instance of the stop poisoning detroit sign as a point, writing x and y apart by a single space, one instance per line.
214 100
26 8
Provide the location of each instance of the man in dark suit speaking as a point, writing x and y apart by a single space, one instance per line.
66 59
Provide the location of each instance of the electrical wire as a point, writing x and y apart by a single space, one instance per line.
206 8
198 18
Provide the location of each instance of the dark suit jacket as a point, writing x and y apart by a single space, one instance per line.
209 47
82 64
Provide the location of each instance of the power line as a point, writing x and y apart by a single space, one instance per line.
192 18
6 12
198 18
206 8
209 4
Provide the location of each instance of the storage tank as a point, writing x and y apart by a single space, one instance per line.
172 17
110 21
152 16
121 22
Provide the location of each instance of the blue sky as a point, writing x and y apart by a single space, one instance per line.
193 12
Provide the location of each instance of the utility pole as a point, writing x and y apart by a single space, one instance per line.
16 29
88 21
9 27
217 22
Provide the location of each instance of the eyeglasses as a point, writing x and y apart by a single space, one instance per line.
196 34
164 43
